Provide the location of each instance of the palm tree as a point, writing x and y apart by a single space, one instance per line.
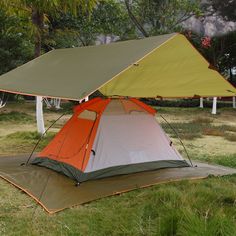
37 12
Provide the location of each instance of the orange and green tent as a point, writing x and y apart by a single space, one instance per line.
110 137
165 66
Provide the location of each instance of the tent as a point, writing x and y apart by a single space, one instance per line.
160 66
108 137
120 138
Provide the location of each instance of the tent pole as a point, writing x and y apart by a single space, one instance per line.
214 106
234 102
180 140
39 115
201 103
39 140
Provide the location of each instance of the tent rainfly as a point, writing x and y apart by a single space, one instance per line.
110 137
165 66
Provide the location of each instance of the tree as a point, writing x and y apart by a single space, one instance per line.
220 51
161 16
38 12
108 19
224 8
15 45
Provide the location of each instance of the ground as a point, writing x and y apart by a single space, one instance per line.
203 207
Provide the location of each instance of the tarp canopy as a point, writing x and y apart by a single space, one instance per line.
161 66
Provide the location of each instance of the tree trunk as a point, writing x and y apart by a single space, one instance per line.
37 20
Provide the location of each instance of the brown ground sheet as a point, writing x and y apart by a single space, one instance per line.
56 192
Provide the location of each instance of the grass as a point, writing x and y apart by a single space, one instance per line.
202 120
184 208
204 207
225 160
187 131
230 137
199 127
23 142
16 117
213 131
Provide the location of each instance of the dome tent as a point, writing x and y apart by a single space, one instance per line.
108 137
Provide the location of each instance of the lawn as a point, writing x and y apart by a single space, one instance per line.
200 207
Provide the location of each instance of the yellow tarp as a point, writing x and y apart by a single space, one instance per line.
174 69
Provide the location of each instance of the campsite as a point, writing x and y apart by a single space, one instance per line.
117 117
190 205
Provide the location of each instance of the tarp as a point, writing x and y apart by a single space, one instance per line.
166 66
56 192
175 69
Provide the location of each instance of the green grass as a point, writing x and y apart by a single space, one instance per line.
24 142
225 160
187 131
197 128
181 110
16 117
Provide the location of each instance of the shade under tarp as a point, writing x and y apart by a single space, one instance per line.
166 66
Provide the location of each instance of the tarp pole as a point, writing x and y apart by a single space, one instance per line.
58 103
39 115
201 103
214 106
234 102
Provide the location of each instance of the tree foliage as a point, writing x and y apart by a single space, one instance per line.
109 18
161 16
38 11
227 9
15 44
221 52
